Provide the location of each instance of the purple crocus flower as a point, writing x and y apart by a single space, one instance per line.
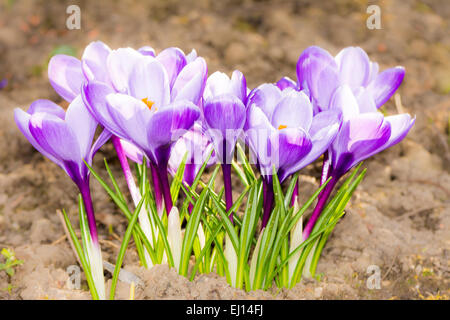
154 106
320 74
282 132
224 118
66 138
363 133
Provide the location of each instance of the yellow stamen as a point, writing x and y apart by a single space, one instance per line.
148 103
282 126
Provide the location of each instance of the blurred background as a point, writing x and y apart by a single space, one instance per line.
400 218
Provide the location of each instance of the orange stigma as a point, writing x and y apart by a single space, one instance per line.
148 103
282 126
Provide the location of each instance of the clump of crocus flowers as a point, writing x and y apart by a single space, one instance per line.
162 112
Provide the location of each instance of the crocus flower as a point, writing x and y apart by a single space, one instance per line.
320 74
282 132
224 118
363 133
66 138
149 105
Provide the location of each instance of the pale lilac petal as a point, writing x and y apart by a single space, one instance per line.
322 79
174 60
191 56
265 97
400 126
94 97
46 106
238 85
82 123
104 136
65 76
258 131
385 84
293 111
55 136
218 83
132 116
191 82
344 100
149 80
120 62
365 100
313 53
22 120
147 51
286 82
354 66
94 62
358 139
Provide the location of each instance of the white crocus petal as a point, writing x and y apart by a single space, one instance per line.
174 236
96 264
231 257
296 240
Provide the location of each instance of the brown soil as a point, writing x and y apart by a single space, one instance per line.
398 219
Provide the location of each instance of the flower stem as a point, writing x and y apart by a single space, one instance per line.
87 200
164 180
323 197
268 201
157 188
135 194
226 171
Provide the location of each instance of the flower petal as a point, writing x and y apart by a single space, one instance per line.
65 75
120 62
293 111
344 100
174 60
385 84
400 126
94 98
131 116
287 148
321 78
323 131
265 97
191 82
286 82
354 66
358 139
147 51
82 123
55 137
321 58
46 106
149 80
225 117
94 62
22 119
